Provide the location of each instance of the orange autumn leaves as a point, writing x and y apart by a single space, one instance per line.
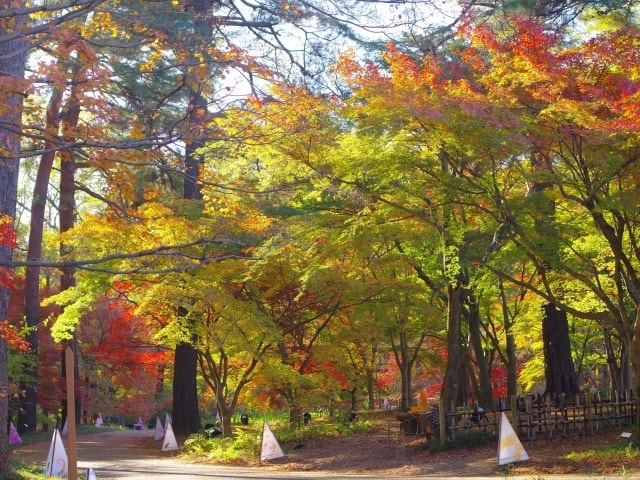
522 70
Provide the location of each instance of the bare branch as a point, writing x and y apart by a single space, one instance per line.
164 250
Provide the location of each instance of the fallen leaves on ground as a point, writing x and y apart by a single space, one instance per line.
387 452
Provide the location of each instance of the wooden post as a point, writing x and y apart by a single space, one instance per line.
588 414
442 413
637 407
71 415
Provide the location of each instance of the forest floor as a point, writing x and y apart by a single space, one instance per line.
382 452
387 453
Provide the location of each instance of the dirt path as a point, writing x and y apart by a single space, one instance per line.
101 450
383 452
380 453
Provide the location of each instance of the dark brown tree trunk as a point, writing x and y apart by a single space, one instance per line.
510 349
371 380
185 403
454 369
559 369
405 356
27 413
225 419
12 68
185 414
627 370
612 362
295 411
481 361
512 372
70 117
404 366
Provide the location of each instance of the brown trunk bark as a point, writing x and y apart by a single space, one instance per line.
482 365
186 358
512 373
615 369
559 370
12 68
67 209
27 413
453 370
295 413
371 395
185 414
226 415
405 374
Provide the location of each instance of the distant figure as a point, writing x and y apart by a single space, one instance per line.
99 422
14 437
306 418
385 404
479 415
211 430
244 419
139 424
353 415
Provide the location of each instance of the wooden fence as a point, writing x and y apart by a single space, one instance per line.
545 416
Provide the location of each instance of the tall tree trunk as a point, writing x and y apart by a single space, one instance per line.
185 403
405 374
12 68
405 354
481 360
627 369
634 360
510 353
70 117
225 420
454 368
295 410
559 370
371 397
615 369
27 413
185 419
512 362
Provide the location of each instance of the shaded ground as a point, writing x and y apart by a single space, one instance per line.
383 451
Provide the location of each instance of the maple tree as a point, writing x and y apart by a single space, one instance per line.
537 104
228 335
307 145
82 46
481 126
587 128
329 157
396 204
122 363
196 61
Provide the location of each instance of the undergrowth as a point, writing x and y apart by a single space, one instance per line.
23 471
621 451
245 444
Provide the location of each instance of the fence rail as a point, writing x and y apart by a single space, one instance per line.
545 416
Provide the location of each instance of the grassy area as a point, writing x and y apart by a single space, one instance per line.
247 439
619 453
22 471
